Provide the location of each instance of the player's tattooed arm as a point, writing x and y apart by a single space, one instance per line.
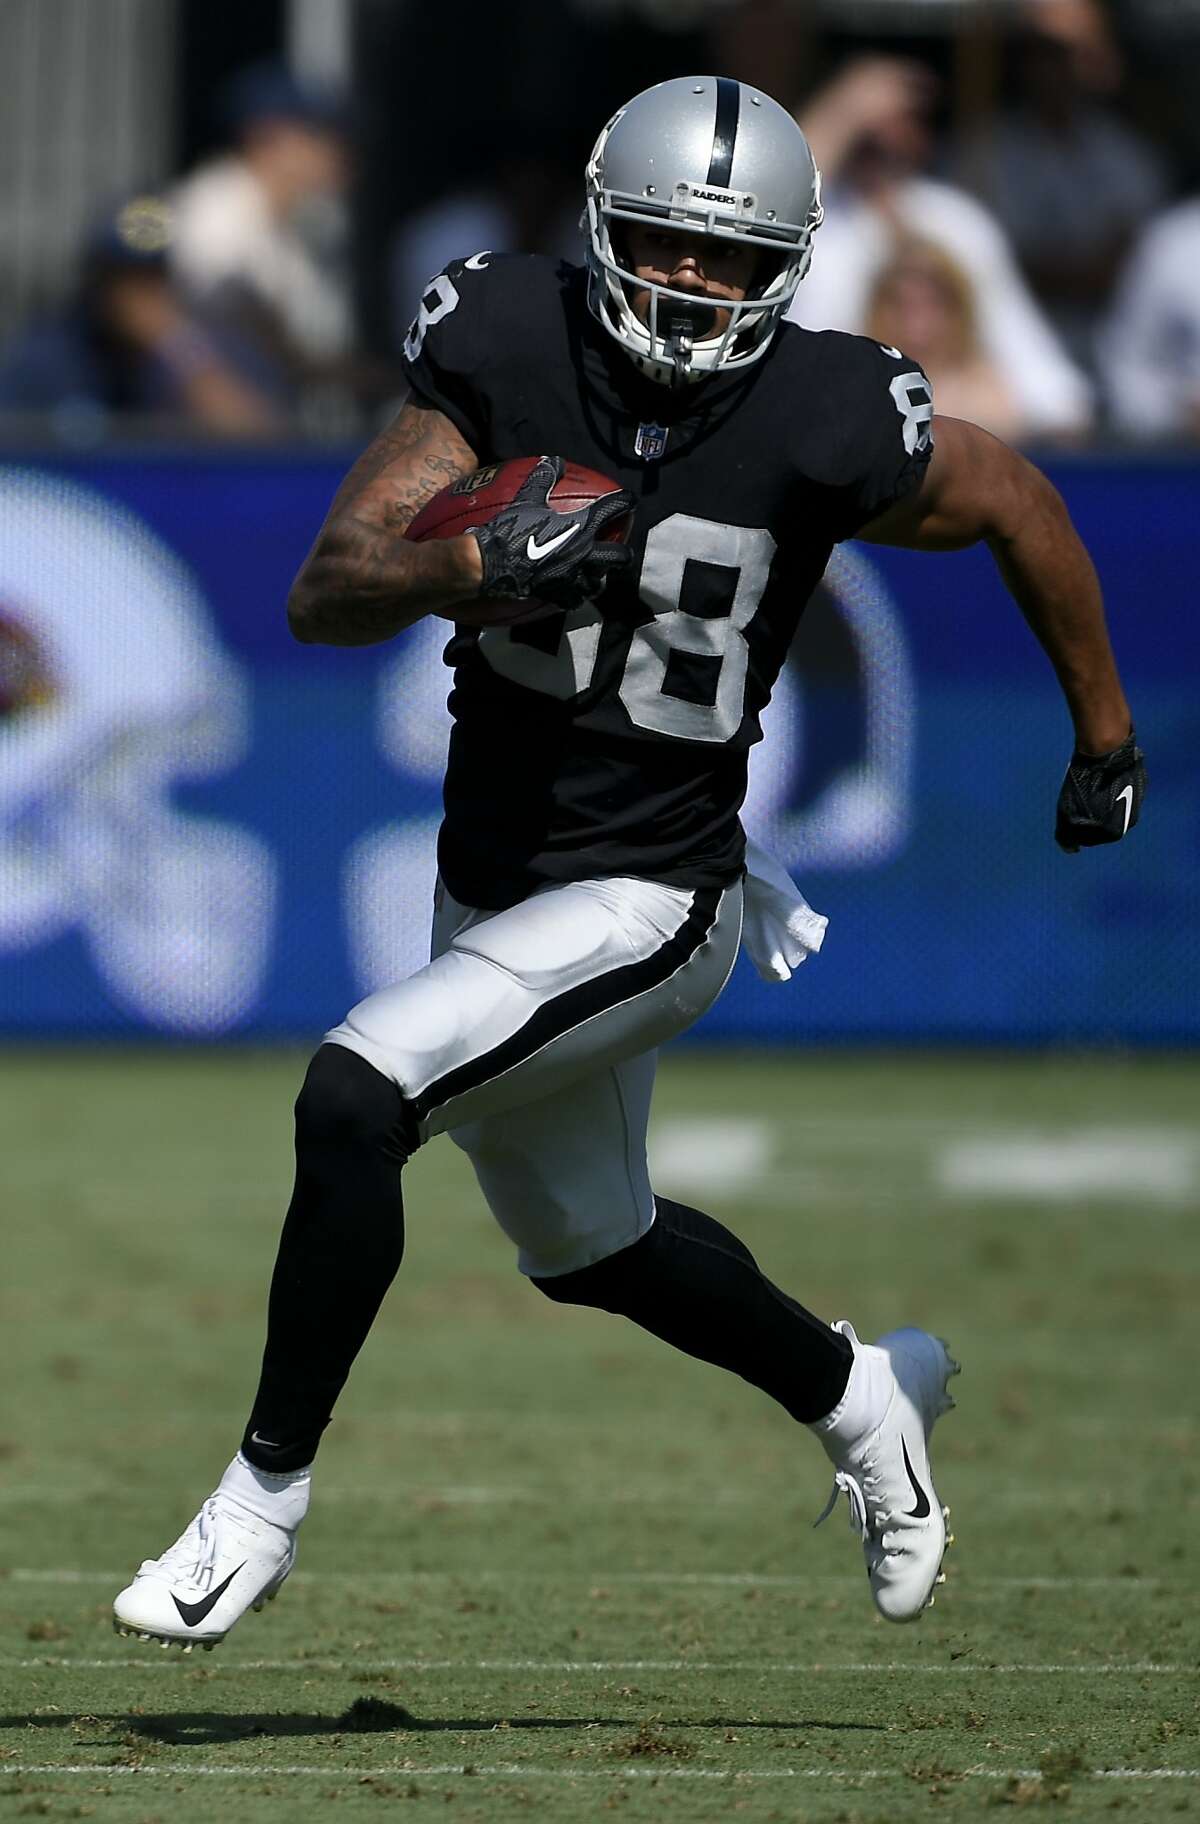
363 581
977 490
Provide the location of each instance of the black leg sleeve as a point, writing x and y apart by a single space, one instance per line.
691 1282
342 1243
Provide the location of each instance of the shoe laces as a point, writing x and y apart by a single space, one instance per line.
867 1517
844 1484
194 1554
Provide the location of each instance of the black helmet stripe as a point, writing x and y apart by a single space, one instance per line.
720 165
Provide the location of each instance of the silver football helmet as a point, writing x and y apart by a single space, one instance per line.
712 156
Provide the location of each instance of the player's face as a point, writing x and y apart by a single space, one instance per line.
703 265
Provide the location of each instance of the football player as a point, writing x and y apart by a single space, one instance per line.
591 860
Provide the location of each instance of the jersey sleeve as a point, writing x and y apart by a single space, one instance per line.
445 349
886 413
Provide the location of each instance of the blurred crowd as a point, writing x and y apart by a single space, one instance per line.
1040 257
220 304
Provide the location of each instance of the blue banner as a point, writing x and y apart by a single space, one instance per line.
208 831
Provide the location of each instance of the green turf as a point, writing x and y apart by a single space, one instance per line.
553 1570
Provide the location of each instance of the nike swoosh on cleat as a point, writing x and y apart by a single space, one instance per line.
1126 793
920 1511
193 1613
536 552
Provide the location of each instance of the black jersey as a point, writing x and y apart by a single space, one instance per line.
613 739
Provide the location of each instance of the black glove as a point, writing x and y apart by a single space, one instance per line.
1100 797
530 550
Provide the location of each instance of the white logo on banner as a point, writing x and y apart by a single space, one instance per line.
113 688
390 873
855 813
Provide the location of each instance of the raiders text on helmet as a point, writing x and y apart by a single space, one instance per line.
712 156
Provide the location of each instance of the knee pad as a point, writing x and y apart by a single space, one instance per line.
345 1102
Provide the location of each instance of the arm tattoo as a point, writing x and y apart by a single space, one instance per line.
363 581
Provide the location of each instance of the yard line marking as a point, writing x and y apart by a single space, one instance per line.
459 1494
422 1496
710 1153
469 1494
509 1770
1091 1162
401 1419
1131 1668
1144 1773
634 1579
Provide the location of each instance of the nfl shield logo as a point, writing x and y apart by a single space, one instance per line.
651 441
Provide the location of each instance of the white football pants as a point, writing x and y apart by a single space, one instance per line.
531 1039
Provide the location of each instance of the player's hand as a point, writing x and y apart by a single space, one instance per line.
1101 796
530 550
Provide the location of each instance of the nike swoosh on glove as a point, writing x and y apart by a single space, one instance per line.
531 551
1101 796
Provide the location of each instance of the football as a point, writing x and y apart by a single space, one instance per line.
474 499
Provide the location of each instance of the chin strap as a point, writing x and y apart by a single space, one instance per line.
679 350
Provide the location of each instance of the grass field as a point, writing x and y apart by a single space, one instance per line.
554 1571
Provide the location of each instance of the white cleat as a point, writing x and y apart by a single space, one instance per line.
234 1556
885 1473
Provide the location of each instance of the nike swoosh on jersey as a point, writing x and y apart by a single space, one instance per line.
193 1613
921 1509
1126 792
536 552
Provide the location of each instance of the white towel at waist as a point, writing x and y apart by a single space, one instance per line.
780 930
